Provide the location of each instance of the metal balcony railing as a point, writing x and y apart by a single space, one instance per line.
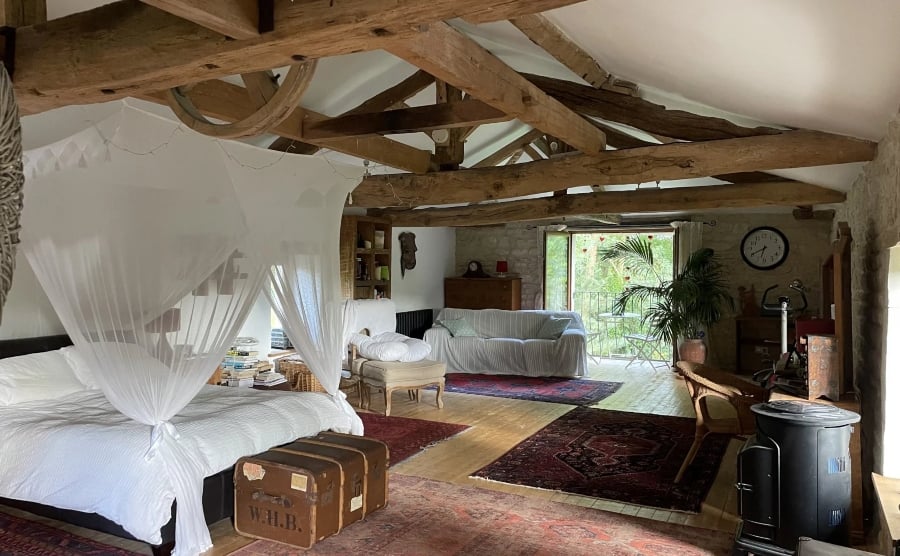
607 329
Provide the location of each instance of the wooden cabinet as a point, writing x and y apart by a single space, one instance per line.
759 342
365 252
483 293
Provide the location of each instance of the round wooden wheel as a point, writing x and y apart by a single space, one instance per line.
274 104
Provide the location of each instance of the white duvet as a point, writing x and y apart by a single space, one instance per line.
80 453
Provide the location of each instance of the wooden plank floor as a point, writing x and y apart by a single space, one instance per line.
498 424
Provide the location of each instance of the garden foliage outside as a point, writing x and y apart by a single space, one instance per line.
596 283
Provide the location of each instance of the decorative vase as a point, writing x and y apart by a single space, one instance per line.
693 350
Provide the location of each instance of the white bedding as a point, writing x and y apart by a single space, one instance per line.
79 453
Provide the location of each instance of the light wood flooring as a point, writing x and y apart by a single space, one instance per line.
498 424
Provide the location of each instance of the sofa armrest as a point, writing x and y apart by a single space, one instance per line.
437 334
575 336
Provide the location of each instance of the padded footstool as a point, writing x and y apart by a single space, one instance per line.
391 375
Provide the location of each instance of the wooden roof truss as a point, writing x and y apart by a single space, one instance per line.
144 49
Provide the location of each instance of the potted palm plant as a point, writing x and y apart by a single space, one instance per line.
681 309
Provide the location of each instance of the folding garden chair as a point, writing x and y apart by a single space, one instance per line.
644 345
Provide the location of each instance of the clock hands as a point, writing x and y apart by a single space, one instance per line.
764 247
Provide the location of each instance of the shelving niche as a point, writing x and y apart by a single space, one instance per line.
365 248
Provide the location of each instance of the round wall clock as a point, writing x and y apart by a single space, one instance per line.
764 248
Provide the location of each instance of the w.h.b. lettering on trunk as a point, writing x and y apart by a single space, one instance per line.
273 518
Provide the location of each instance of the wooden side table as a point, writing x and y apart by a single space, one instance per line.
888 492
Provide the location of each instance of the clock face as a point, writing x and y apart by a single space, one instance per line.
764 248
473 266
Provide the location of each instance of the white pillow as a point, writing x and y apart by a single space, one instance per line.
36 376
130 357
80 367
383 351
418 350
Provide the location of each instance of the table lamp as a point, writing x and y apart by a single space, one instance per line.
502 268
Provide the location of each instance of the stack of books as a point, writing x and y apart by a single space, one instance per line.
269 378
240 367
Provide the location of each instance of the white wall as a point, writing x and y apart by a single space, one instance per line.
27 312
423 286
259 325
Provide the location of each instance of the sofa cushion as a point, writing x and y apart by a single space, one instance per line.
459 327
553 327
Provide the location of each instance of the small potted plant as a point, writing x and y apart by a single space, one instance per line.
684 308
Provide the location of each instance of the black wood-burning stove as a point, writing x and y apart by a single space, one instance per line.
794 477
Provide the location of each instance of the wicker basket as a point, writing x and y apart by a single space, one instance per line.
298 375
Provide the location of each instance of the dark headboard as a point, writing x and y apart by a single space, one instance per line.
24 346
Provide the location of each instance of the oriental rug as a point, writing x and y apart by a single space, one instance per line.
21 537
407 437
573 391
629 457
443 519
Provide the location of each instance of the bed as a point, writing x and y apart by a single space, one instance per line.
76 455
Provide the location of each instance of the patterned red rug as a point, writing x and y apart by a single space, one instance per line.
20 537
573 391
630 457
406 437
442 519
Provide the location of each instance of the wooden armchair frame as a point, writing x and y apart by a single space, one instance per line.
703 382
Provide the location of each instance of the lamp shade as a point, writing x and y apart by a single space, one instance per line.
502 266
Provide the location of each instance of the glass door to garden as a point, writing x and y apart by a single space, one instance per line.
586 272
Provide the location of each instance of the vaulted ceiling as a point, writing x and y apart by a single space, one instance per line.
763 67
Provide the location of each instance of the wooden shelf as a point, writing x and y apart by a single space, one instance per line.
356 231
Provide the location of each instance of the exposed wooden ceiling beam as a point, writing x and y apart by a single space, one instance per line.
456 59
463 113
641 200
128 48
400 92
382 101
642 114
19 13
292 146
238 19
449 154
532 152
551 38
674 161
620 139
515 157
230 102
508 149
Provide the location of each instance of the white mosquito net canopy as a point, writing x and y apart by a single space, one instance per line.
152 242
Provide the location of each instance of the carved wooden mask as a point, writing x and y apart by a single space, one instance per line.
407 252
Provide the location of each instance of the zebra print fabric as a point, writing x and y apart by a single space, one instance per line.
11 182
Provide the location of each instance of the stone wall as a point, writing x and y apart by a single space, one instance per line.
809 245
872 212
522 246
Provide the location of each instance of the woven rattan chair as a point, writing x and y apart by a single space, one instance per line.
703 382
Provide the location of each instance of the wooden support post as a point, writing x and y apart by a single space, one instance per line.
449 155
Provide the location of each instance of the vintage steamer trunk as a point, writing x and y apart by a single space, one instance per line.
287 497
377 459
352 483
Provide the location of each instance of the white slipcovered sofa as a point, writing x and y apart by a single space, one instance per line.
508 342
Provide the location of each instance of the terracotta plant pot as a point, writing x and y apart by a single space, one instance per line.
692 350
